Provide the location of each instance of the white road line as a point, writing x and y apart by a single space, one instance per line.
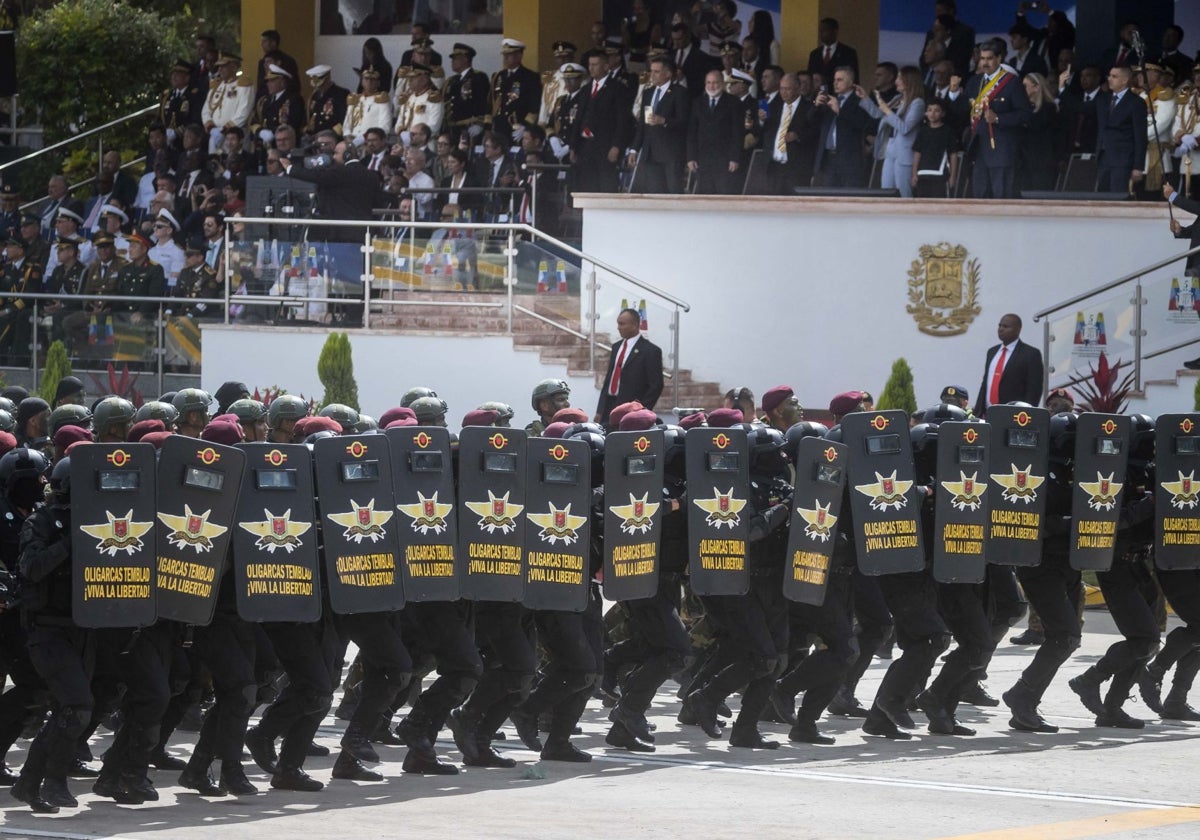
56 835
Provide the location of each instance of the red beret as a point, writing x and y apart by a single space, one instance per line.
614 416
776 397
76 445
555 430
67 435
480 417
306 426
726 418
227 418
397 413
845 403
155 439
222 432
7 442
144 427
638 421
693 420
401 422
570 414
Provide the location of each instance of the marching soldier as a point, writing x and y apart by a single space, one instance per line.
552 81
369 109
327 105
468 94
229 102
420 103
181 103
516 92
277 107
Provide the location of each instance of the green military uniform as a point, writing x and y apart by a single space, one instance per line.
199 282
143 278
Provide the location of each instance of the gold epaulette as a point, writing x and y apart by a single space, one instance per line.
212 84
245 81
381 98
352 99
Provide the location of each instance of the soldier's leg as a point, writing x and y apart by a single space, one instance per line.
962 606
448 629
387 669
301 706
874 625
511 661
566 683
27 701
227 646
1181 588
822 672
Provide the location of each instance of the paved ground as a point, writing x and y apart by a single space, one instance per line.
1001 785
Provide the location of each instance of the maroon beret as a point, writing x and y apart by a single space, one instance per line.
156 439
67 435
614 416
555 430
226 418
480 417
222 432
76 445
7 442
725 418
693 420
845 403
570 414
638 421
401 422
144 427
776 397
397 413
312 425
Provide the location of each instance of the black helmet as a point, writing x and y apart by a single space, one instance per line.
191 399
229 393
504 412
595 442
430 411
414 394
155 410
943 412
22 463
548 388
835 434
798 432
674 442
346 416
247 410
70 414
366 423
924 440
8 405
580 428
1062 436
110 411
285 407
1143 438
321 435
60 482
8 423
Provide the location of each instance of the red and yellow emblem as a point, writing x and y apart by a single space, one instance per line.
970 435
637 516
1187 425
275 458
356 449
879 423
721 440
818 520
1023 418
831 454
641 444
558 452
118 457
1183 492
1108 426
277 531
498 441
118 534
208 456
422 440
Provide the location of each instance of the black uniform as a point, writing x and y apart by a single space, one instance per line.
15 329
326 110
516 99
179 108
270 112
467 100
26 700
143 279
201 283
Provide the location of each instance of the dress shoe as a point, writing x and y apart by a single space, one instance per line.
806 732
316 750
619 736
233 779
564 751
293 778
706 713
1118 719
632 722
1192 364
527 728
748 737
81 770
1150 686
896 712
262 750
485 756
201 781
350 769
1029 637
416 763
56 792
976 695
877 723
1087 688
111 788
847 705
165 761
30 794
1178 710
462 728
7 777
1025 717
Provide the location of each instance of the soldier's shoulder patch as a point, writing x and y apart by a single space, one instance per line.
547 75
213 83
403 72
352 99
381 98
166 93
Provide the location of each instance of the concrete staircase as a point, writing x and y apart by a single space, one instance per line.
477 313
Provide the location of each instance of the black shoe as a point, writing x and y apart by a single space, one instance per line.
1029 637
895 711
1150 686
941 720
806 732
383 735
359 747
462 728
748 737
607 699
877 723
415 738
349 768
631 722
56 792
783 708
293 778
1118 719
976 695
193 719
111 788
316 750
564 751
847 705
81 770
705 711
1088 690
485 756
32 796
686 716
7 777
201 781
620 737
1025 717
164 761
1178 710
526 725
262 750
233 779
414 762
1193 364
723 710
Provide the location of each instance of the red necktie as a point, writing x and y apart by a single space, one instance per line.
615 384
828 54
994 391
595 88
1121 57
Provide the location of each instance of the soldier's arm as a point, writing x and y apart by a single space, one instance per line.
245 103
762 524
44 547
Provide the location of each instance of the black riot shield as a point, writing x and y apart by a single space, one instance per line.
718 481
491 499
1018 457
1101 457
961 503
198 486
1177 497
427 522
816 507
558 524
633 499
358 521
276 563
883 493
112 544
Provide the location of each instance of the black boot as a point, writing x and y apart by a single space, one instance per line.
262 749
564 751
416 762
704 709
1087 686
56 792
941 719
108 785
879 724
29 792
355 742
294 778
163 760
197 776
486 756
806 732
619 736
526 725
1023 703
747 736
233 779
463 725
351 769
1150 686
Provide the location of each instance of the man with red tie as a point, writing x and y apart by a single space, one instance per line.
1013 372
634 368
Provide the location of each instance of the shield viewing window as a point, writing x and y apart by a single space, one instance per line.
499 462
970 454
204 479
275 479
1022 439
883 444
826 473
425 462
560 474
1109 446
118 480
722 462
360 471
1187 445
640 464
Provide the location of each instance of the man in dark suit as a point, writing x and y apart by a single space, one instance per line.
957 38
634 368
1172 57
1078 110
1120 134
598 130
1192 234
690 59
1025 58
346 190
998 111
660 138
1013 371
714 139
831 55
840 158
1122 55
789 139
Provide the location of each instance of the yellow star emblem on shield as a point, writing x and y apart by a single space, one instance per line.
497 513
558 524
638 515
1019 484
427 514
277 531
116 535
192 530
966 491
362 522
722 509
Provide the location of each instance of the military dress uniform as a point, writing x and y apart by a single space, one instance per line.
200 282
179 108
67 281
143 278
425 107
562 125
227 104
327 110
270 112
516 99
553 88
1187 125
468 100
363 112
15 329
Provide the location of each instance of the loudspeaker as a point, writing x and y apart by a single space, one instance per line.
8 63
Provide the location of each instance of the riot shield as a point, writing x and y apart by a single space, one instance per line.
883 493
1101 457
961 503
1018 456
1177 497
112 547
198 486
358 512
633 499
718 481
276 563
427 523
558 524
816 507
491 499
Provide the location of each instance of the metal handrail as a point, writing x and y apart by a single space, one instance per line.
72 187
61 143
1133 275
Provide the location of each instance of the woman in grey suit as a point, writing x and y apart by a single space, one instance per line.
899 121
